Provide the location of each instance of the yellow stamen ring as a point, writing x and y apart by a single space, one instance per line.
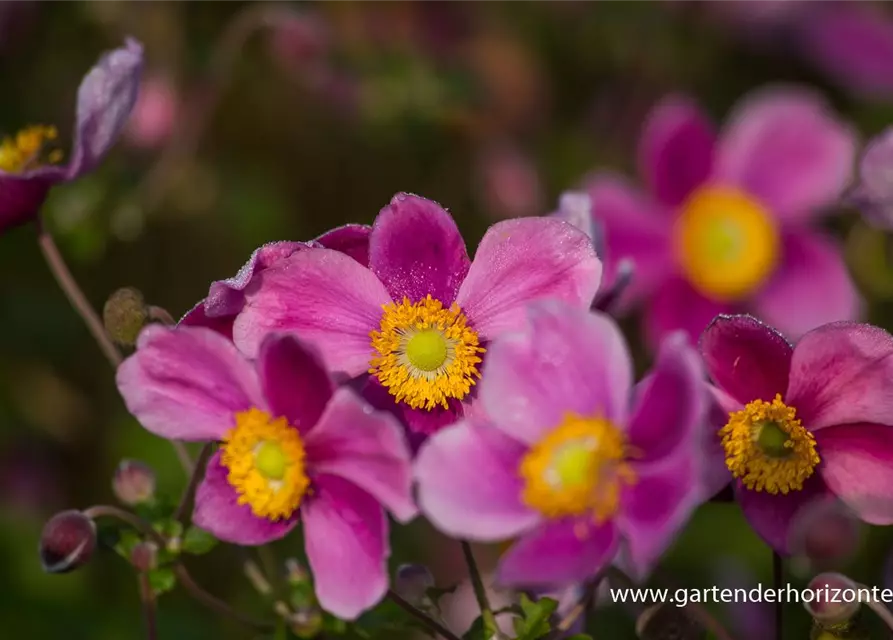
265 459
426 354
768 448
578 468
24 151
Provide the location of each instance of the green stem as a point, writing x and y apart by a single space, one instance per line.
479 591
422 617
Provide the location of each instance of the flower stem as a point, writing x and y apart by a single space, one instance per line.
182 512
147 598
879 609
422 617
777 574
480 592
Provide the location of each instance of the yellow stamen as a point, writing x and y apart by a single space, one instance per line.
767 447
25 150
578 468
426 354
265 458
726 243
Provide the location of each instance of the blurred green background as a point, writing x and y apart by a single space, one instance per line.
266 122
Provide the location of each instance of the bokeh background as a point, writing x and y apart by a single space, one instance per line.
261 122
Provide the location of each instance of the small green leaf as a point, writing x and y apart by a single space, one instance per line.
477 631
579 636
198 541
127 540
534 622
162 580
169 528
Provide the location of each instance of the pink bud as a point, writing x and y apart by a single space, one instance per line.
67 542
824 535
154 114
134 482
300 42
834 599
509 183
144 556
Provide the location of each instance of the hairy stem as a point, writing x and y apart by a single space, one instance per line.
147 598
777 574
479 591
188 497
422 617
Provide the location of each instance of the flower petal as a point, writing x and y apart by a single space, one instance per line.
186 383
747 359
635 229
468 483
522 260
218 512
294 381
365 447
350 239
326 297
657 507
676 149
671 402
105 99
568 360
416 250
576 208
198 317
786 147
346 539
840 374
420 423
676 306
857 465
21 197
226 297
810 288
772 516
558 553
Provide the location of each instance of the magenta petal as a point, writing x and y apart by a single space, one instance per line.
676 149
785 146
217 511
350 239
468 483
558 553
105 99
635 229
416 250
746 358
365 447
226 297
294 381
671 402
21 198
198 317
186 383
810 288
656 508
676 306
419 422
857 465
567 361
519 261
346 539
841 374
771 516
325 297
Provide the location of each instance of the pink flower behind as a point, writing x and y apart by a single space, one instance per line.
293 447
154 114
727 222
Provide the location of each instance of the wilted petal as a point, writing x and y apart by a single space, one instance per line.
519 261
186 383
217 511
346 539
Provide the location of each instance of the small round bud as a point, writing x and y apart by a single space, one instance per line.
133 482
305 622
662 622
144 556
67 542
124 315
295 572
824 536
834 598
412 582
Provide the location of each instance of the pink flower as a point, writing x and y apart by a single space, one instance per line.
727 223
415 321
567 456
293 447
803 423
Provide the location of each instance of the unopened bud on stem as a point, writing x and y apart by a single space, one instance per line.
834 599
144 556
662 622
124 315
67 542
412 582
134 482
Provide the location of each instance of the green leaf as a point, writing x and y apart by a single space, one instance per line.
127 540
477 631
534 622
198 541
162 580
579 636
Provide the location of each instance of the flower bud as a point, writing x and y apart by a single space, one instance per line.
662 622
835 599
67 542
295 572
134 482
144 556
124 315
412 583
825 535
305 622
